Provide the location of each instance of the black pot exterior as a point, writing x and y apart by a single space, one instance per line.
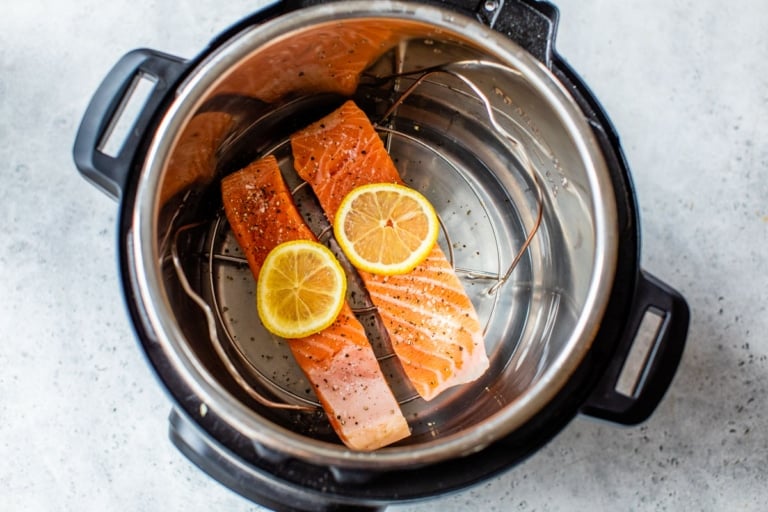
289 484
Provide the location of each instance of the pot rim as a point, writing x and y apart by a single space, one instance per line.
146 251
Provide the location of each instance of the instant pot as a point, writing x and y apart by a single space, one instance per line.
538 216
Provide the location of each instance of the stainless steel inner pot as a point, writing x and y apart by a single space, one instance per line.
540 320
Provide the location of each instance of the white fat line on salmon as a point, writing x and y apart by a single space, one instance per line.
427 334
452 310
430 286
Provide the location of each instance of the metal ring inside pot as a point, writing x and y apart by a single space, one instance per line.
539 323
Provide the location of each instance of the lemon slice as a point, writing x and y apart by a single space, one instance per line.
300 290
385 228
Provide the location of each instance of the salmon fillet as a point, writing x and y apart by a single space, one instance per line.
433 327
338 361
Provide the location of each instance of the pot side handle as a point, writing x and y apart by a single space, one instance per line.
646 358
116 119
256 484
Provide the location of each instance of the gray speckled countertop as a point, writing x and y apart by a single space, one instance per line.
83 421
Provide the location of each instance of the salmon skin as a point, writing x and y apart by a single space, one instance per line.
338 361
431 322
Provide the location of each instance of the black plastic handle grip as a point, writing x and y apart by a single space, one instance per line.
530 23
658 360
110 172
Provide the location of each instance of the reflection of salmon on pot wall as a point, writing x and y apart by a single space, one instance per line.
193 161
329 60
